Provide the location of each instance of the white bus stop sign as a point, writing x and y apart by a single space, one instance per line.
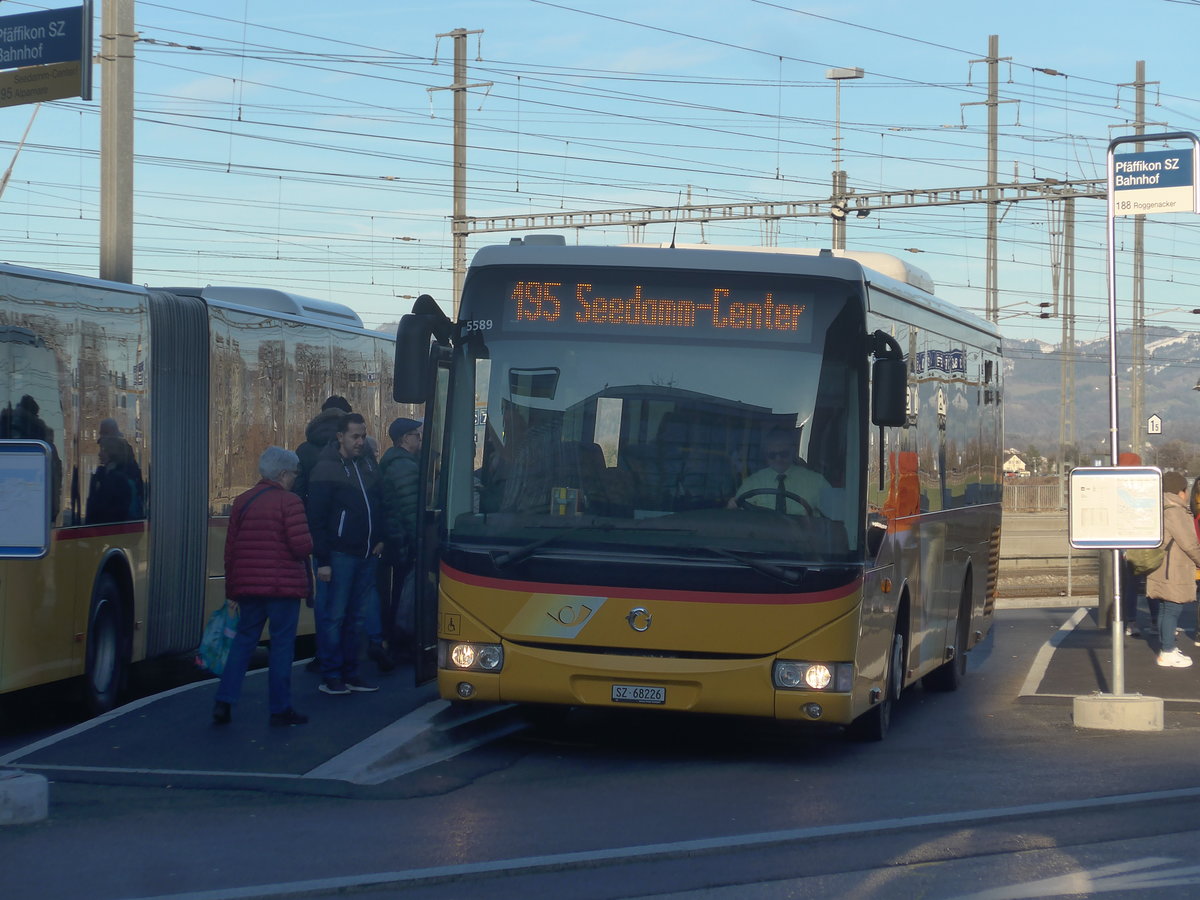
1116 507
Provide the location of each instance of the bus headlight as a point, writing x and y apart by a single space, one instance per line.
797 675
479 657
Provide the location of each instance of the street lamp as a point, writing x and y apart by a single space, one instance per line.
837 76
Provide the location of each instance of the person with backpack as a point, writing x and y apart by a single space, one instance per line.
1133 581
1174 582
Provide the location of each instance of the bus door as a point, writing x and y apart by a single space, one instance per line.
430 527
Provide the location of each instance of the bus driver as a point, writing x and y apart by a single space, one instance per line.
786 485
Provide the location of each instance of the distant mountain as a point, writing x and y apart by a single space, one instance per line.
1033 389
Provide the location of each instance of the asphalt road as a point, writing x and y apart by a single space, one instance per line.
974 794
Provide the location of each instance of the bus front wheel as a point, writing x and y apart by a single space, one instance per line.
949 675
873 725
104 672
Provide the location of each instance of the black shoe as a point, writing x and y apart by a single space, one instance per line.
381 658
334 686
360 686
289 717
222 713
314 665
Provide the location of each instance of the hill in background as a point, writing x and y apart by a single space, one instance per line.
1033 390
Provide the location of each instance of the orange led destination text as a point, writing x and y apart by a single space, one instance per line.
539 300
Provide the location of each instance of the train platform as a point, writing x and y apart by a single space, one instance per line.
1077 661
351 743
354 745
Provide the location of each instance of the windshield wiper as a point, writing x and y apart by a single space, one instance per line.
787 576
509 557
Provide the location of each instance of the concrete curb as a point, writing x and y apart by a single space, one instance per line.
1064 602
438 731
24 797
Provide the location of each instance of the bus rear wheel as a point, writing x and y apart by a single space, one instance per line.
106 662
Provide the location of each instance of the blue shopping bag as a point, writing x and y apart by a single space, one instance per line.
218 638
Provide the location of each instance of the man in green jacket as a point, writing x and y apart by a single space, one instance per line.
401 490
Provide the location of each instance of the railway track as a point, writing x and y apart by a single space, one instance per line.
1028 579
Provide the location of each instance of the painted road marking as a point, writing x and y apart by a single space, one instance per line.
679 849
1129 877
1042 661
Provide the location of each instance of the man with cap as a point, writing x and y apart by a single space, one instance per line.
400 478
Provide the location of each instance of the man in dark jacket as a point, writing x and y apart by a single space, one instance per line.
317 436
400 473
347 530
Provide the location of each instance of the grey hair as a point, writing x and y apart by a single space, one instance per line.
275 461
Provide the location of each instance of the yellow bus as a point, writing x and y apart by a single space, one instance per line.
750 482
185 387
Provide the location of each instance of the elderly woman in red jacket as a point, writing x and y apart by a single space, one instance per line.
266 574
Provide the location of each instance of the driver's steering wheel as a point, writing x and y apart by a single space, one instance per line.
741 499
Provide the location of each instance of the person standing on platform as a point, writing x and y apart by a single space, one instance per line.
1174 582
347 529
401 480
266 573
1132 585
318 434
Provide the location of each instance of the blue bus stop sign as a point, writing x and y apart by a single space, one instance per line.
40 38
1162 181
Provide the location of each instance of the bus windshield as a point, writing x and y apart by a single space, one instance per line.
660 411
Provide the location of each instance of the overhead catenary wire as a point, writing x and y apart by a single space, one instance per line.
571 101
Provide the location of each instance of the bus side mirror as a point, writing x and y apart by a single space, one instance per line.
412 379
889 392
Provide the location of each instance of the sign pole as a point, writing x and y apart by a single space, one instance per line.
1146 182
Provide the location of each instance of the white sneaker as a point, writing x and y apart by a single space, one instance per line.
1174 660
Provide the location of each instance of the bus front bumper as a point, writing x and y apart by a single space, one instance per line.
741 686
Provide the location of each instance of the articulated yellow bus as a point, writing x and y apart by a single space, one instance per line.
751 482
187 387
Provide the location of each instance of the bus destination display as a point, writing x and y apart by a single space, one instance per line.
637 309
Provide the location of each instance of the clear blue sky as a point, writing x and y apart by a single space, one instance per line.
296 145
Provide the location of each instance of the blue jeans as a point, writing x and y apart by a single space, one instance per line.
372 621
1168 618
339 613
283 614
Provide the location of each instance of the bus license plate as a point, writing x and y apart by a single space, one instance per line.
638 693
